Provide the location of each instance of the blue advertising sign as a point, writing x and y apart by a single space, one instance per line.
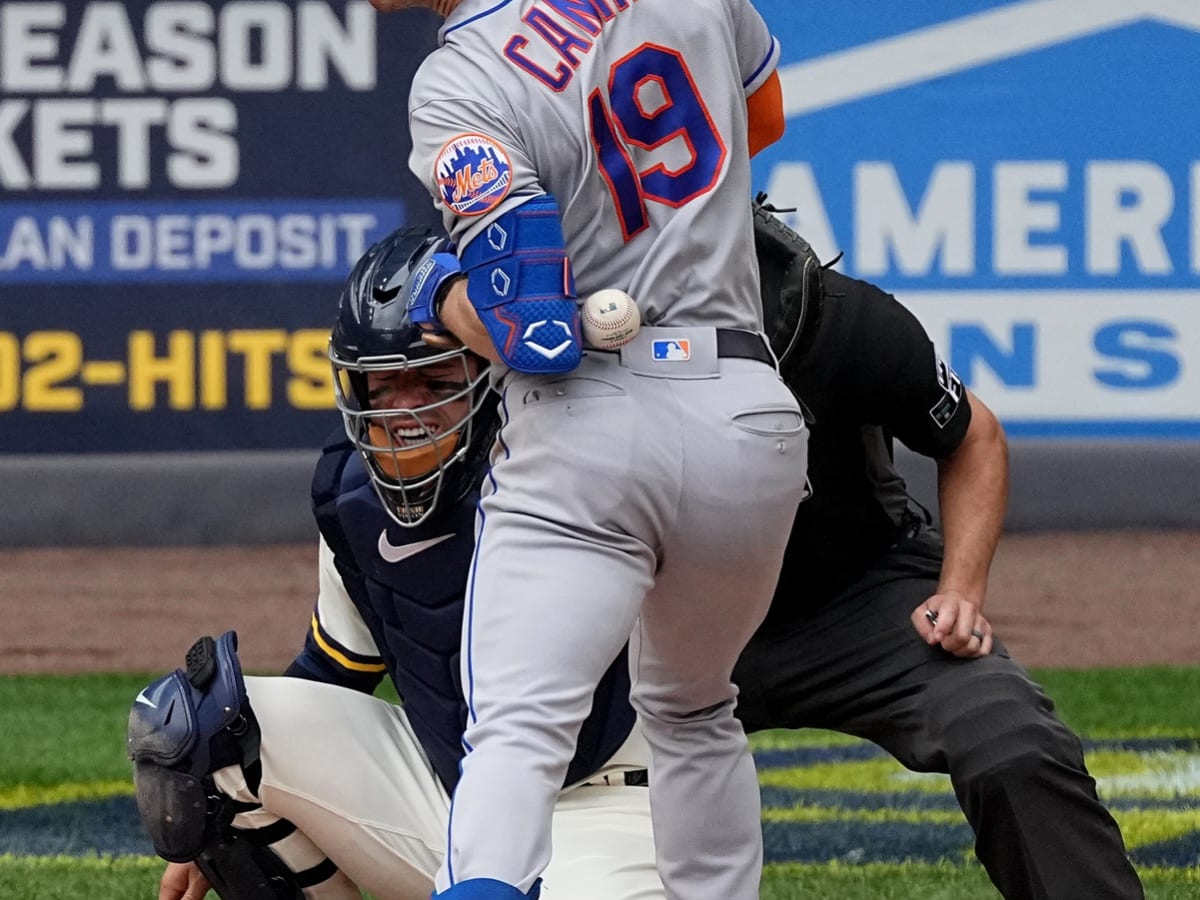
183 189
1025 177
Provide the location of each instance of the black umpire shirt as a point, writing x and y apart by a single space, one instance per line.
871 374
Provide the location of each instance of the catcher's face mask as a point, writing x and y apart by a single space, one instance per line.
420 414
412 420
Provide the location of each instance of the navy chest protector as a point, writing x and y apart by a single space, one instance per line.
182 728
414 610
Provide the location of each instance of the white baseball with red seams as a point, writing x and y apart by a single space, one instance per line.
610 319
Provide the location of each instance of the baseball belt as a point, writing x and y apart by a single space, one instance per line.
732 342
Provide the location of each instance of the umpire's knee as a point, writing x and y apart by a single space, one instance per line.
998 728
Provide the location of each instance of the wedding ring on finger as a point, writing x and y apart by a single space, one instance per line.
976 633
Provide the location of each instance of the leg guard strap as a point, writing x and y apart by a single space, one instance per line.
237 869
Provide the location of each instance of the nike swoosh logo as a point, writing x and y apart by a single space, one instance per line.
142 698
393 554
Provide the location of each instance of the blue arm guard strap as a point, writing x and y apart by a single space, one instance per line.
519 281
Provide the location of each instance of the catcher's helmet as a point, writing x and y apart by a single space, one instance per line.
422 416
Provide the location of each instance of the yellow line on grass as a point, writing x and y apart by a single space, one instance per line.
23 796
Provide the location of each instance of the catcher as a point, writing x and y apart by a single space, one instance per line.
307 786
888 641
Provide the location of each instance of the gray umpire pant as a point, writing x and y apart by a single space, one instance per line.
858 667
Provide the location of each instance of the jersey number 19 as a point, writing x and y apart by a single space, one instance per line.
637 116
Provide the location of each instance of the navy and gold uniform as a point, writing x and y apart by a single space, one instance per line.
406 586
353 791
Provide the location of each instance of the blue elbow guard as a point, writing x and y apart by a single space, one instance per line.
520 283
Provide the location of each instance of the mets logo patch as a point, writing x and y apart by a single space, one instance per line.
473 174
671 349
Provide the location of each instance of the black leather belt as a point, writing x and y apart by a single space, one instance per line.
743 345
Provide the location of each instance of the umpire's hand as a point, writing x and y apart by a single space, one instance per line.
954 622
182 881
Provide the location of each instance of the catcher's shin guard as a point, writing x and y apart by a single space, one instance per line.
238 869
182 728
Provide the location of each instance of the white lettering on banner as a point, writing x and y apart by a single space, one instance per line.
181 58
49 248
1071 355
1196 218
945 220
1126 206
1112 222
1019 216
251 241
133 119
249 45
203 150
59 143
176 47
14 174
201 131
268 24
105 47
28 43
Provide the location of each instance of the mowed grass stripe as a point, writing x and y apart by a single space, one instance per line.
127 878
65 740
1153 774
1139 827
23 796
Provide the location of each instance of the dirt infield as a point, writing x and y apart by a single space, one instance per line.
1064 600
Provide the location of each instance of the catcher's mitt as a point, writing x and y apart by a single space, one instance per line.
790 277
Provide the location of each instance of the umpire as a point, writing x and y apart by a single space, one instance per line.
887 640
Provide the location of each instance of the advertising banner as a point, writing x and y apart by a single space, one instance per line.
184 186
183 189
1025 176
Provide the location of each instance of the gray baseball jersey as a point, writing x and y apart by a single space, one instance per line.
652 487
627 118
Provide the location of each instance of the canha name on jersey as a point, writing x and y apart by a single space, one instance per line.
555 24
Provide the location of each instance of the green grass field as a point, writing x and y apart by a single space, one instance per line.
840 820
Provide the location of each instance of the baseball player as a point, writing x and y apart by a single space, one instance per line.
888 640
307 786
860 658
573 147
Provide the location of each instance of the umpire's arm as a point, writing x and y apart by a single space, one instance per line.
972 497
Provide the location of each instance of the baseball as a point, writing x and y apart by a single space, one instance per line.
610 319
